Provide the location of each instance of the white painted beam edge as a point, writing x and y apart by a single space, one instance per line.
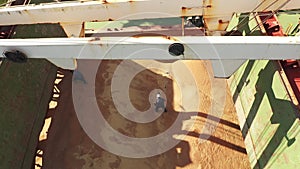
209 47
98 11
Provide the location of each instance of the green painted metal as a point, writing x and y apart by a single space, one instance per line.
271 122
25 91
289 19
268 119
129 23
245 23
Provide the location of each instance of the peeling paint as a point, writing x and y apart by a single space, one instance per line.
94 39
186 8
170 38
105 9
184 11
222 22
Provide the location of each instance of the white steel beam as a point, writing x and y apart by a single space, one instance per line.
217 13
98 11
225 68
209 47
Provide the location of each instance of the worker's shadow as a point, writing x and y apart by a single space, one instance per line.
283 113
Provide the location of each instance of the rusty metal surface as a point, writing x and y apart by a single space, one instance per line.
98 11
217 13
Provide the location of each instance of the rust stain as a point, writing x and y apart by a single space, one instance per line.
141 35
167 37
105 2
217 24
186 8
96 20
183 12
154 35
95 39
208 7
26 11
212 21
222 22
170 38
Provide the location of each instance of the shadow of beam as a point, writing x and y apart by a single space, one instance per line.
219 141
243 80
217 119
